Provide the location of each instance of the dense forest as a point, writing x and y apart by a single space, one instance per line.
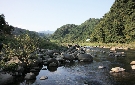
75 33
116 26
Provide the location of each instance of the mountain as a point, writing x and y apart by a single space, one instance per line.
118 25
63 31
46 32
72 32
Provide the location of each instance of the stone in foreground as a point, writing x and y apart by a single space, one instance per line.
43 77
133 63
117 69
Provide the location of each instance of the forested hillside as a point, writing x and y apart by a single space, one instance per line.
18 31
63 32
118 25
71 32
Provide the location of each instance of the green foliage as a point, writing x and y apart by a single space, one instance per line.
4 27
23 45
118 25
8 67
73 33
20 44
62 31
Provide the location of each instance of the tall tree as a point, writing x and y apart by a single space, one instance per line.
4 26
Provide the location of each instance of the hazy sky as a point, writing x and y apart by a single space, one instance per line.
40 15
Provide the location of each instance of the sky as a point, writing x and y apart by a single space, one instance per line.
43 15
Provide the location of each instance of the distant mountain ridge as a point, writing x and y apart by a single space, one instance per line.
46 32
19 31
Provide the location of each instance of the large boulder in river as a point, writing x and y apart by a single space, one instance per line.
52 62
85 57
5 79
30 76
69 57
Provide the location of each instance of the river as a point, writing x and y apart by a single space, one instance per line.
84 73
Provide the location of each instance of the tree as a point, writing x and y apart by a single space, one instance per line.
4 27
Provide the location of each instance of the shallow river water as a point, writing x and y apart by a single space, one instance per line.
84 73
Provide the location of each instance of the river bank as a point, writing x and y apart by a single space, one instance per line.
125 46
108 45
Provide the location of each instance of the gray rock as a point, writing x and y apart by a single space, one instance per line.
85 57
52 62
43 77
30 76
69 57
6 79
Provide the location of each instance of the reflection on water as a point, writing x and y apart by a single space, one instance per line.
80 73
